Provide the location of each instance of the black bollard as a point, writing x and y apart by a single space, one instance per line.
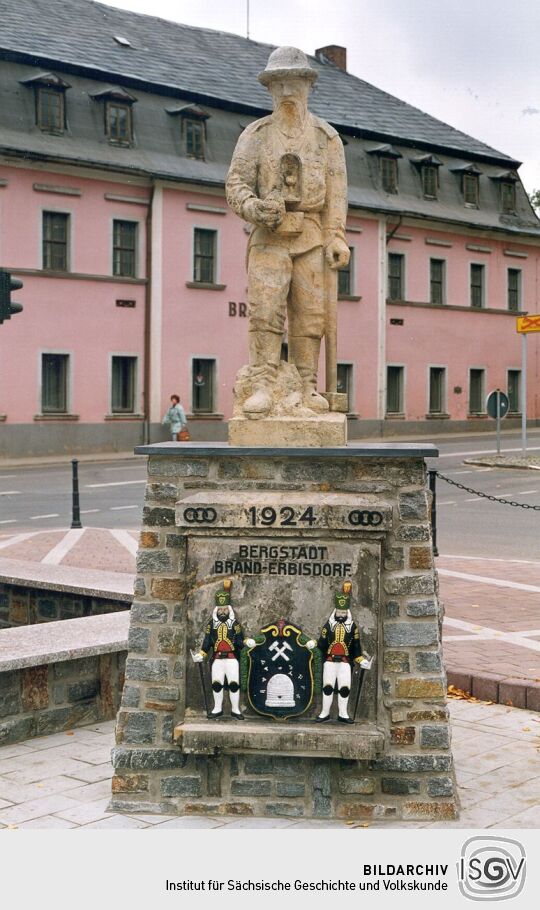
433 490
75 506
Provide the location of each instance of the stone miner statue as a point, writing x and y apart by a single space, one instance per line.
288 179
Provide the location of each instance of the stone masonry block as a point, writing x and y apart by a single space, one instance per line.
287 810
131 697
177 467
10 684
315 471
412 532
392 609
153 561
148 613
396 662
435 737
162 492
16 729
258 764
148 540
148 759
74 669
403 634
413 506
409 584
400 785
259 787
428 661
440 786
136 727
47 607
435 811
420 558
393 559
417 687
146 669
421 608
160 517
362 785
138 639
181 786
34 688
290 788
402 736
130 783
166 588
170 641
84 690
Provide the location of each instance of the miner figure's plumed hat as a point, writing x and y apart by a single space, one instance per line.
342 599
285 62
223 597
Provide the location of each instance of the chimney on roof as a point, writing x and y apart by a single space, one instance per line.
333 53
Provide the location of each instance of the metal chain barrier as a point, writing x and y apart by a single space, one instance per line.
505 502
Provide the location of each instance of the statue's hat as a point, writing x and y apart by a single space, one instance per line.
342 599
223 598
287 61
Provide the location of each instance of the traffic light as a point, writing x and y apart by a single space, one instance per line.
7 285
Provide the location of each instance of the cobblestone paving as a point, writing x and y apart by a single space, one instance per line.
63 781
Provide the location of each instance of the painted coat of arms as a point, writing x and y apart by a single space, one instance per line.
281 672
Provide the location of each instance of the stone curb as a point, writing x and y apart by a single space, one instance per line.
502 690
531 463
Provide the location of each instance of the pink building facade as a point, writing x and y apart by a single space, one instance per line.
113 214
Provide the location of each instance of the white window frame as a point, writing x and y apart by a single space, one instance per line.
215 358
58 210
404 277
444 260
352 281
485 295
515 370
403 410
512 268
437 366
138 247
352 393
483 395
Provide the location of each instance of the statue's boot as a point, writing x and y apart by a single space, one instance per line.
264 356
304 353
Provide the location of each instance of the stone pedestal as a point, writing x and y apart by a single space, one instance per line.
288 432
206 518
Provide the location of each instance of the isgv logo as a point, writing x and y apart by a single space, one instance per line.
491 868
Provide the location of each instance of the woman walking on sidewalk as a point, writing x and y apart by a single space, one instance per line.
176 419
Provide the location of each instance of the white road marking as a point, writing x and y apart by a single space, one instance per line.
10 493
17 539
118 508
114 483
8 521
484 633
89 511
52 515
525 492
447 502
126 540
55 556
526 562
8 476
495 582
486 452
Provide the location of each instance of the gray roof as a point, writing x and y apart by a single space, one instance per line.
211 65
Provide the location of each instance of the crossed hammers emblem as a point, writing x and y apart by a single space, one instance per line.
281 650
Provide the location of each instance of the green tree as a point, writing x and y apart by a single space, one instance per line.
535 200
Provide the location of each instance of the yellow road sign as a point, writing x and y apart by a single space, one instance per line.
526 324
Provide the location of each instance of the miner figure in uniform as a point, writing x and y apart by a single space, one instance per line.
288 179
222 644
339 643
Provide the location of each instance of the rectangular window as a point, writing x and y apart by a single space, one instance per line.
430 180
394 390
396 262
123 384
436 280
345 278
470 189
508 198
50 109
514 391
54 383
204 256
514 289
477 284
55 241
125 248
344 381
203 386
389 174
437 390
194 139
477 391
118 122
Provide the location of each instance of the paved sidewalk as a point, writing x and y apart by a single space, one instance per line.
492 622
63 781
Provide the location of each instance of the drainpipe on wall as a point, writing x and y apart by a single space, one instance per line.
147 318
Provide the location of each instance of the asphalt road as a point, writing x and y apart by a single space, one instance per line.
32 498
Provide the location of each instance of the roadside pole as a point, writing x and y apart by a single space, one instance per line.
524 393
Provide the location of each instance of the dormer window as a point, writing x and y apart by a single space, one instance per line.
50 102
428 168
470 184
192 129
118 115
388 169
507 191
